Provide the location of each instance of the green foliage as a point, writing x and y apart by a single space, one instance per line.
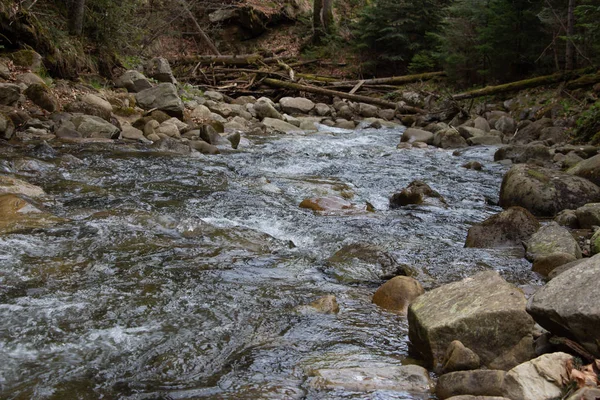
588 124
588 15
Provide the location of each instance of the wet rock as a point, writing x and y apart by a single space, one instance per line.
296 105
511 227
409 378
531 132
133 81
477 382
475 165
330 204
360 262
278 125
549 239
210 135
525 153
162 97
449 139
326 305
204 148
16 214
459 358
41 96
158 68
417 192
12 185
545 264
539 379
568 305
545 192
234 138
95 127
44 150
265 109
396 294
344 124
484 312
411 135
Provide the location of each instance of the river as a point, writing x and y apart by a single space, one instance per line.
179 277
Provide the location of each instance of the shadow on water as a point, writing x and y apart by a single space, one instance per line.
179 278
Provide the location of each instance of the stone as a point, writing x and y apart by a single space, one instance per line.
568 305
567 218
586 393
344 124
16 186
170 145
97 102
41 96
449 139
4 68
387 114
554 134
485 140
151 127
64 132
329 205
524 153
158 68
204 148
538 379
133 81
565 267
28 59
405 378
9 94
411 135
95 127
545 264
481 124
326 305
278 125
506 125
362 262
470 397
322 110
396 294
531 132
169 130
162 97
511 227
545 192
265 109
552 238
588 169
17 214
296 105
571 160
469 132
595 243
234 138
82 107
367 110
7 127
474 165
131 133
477 382
459 358
484 312
417 192
29 78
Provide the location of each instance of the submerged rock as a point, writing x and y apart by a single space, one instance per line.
361 262
17 213
12 185
418 192
331 205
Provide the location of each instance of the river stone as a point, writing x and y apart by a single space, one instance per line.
567 218
329 204
201 112
162 97
589 169
474 165
214 96
367 110
506 125
7 127
571 160
405 378
411 135
569 305
296 105
565 267
29 78
538 379
545 192
131 133
234 138
549 239
158 68
278 125
595 243
322 110
486 313
519 154
545 264
459 358
265 109
531 132
97 102
485 140
482 124
344 124
470 397
8 184
396 294
168 129
417 192
326 305
170 145
9 93
586 393
511 227
133 81
361 262
554 134
16 214
469 132
42 97
204 148
478 382
82 107
449 139
95 127
64 132
28 59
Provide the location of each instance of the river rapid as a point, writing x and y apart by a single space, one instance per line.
178 277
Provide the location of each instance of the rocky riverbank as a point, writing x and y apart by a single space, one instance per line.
482 336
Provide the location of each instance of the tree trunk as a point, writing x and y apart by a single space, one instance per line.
570 49
209 43
322 18
76 14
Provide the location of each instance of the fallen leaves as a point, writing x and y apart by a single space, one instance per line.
584 376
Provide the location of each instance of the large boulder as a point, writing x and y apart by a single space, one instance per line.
396 294
481 382
91 104
545 192
362 262
417 192
569 305
95 127
539 379
159 69
9 94
265 109
509 228
486 313
520 154
552 238
41 96
7 127
134 81
588 169
449 139
531 132
411 135
296 105
162 97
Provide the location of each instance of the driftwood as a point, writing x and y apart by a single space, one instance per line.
575 78
332 93
393 80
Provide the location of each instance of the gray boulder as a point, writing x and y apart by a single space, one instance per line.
159 69
265 109
411 135
481 123
511 227
479 382
506 125
486 313
569 305
459 358
520 154
531 132
7 127
296 105
367 110
552 238
278 125
162 97
588 215
41 96
133 81
95 127
588 169
485 140
545 192
449 139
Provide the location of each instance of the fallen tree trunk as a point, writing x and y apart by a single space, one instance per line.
332 93
242 59
528 83
392 80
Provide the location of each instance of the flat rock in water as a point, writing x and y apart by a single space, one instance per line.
331 205
411 135
8 184
569 305
486 313
405 378
17 214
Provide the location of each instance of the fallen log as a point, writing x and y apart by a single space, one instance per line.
332 93
392 80
573 76
242 59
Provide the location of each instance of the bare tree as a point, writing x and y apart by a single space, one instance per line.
76 15
570 49
322 18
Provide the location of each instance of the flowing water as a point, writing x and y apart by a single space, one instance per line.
176 277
